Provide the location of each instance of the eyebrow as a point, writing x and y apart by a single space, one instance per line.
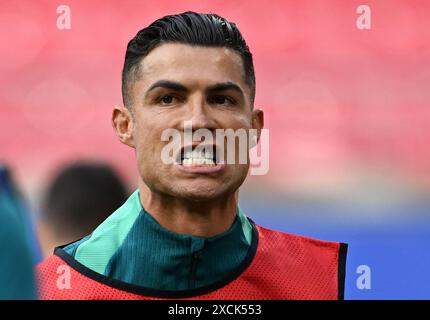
218 87
224 86
168 85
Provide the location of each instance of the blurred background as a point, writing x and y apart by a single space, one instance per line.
348 111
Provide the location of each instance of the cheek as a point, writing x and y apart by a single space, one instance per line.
147 143
238 121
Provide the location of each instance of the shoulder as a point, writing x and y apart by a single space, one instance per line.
278 236
47 274
58 279
300 247
311 268
49 264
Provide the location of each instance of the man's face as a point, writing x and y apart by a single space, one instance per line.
181 83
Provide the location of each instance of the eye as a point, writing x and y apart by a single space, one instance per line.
167 100
221 99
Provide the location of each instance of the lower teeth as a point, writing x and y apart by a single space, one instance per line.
190 161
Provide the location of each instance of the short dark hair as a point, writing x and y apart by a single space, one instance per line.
192 28
81 196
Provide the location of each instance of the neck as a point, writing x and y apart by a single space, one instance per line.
182 216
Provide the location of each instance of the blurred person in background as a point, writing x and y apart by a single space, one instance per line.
80 197
17 259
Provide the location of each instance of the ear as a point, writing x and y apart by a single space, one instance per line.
123 124
257 122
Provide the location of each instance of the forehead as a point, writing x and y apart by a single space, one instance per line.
194 65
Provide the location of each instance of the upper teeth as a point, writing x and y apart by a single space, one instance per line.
197 155
197 158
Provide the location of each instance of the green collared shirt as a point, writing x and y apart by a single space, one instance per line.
133 247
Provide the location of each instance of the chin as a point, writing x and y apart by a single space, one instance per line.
200 193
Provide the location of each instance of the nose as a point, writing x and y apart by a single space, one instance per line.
200 115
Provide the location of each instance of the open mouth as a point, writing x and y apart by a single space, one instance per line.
197 155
